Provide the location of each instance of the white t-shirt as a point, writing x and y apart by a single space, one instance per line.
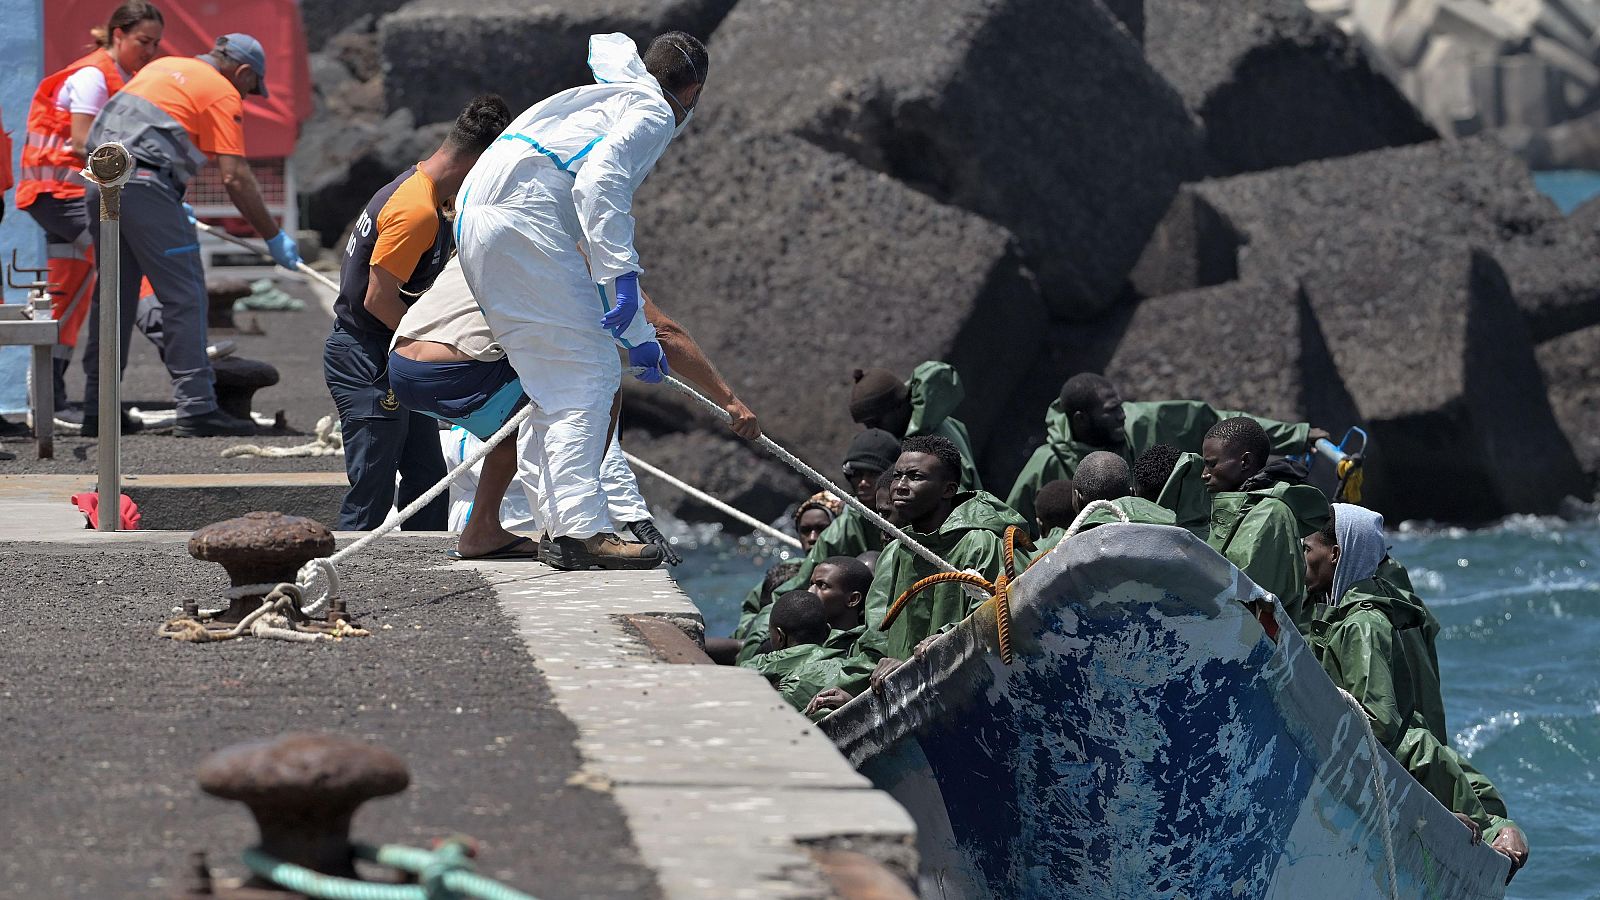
85 91
448 314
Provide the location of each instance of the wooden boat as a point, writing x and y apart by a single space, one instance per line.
1149 739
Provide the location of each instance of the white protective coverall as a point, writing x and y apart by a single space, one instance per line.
564 173
522 510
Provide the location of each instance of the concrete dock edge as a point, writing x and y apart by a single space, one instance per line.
726 789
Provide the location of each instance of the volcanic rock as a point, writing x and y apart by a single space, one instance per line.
1571 367
1474 190
1425 334
1273 85
1039 115
325 18
438 54
791 264
343 163
1260 350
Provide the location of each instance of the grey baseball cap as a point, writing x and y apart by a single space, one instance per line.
246 50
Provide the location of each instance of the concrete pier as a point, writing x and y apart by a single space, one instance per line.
537 709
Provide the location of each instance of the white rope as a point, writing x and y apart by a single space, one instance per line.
709 500
328 441
1379 788
1092 507
325 565
800 466
302 269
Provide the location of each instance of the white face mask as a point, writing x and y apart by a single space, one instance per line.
688 112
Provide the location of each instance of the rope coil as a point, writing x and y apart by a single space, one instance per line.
445 874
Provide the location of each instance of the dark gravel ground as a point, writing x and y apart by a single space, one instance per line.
102 725
292 342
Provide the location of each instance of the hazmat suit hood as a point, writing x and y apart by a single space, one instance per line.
936 391
1361 547
615 59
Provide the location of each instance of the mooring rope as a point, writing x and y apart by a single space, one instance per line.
325 568
799 465
713 502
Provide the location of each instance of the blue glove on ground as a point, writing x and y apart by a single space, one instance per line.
648 356
619 317
284 250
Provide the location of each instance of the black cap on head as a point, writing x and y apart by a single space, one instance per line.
876 393
874 450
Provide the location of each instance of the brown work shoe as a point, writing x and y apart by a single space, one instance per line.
602 551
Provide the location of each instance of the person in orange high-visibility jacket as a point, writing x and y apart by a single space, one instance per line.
51 189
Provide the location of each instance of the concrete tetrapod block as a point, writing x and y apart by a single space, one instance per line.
790 264
324 18
1474 189
1571 368
1426 337
1042 116
438 54
1273 84
1259 352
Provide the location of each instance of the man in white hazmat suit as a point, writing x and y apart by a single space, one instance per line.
563 175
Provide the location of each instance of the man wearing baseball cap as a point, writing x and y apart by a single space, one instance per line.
172 116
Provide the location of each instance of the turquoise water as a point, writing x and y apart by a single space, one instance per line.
1519 654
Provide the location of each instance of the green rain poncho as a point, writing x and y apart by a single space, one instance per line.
1186 496
848 535
1139 510
936 391
1423 657
1181 423
1375 644
804 671
1260 532
972 537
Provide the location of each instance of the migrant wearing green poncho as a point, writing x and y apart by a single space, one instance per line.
1374 642
1256 521
809 654
1260 532
1090 415
971 537
1185 495
922 407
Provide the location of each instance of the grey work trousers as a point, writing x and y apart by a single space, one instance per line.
158 243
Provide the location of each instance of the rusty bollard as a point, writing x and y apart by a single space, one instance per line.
259 550
303 790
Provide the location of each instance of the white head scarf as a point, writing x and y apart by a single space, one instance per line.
1361 547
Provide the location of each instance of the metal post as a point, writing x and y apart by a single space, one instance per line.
110 166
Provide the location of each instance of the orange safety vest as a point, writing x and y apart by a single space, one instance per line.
48 166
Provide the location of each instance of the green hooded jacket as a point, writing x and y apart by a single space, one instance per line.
1186 496
972 537
1260 532
850 534
936 391
1181 423
1139 510
1375 644
800 672
1430 705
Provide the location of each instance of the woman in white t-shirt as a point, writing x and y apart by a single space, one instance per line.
51 190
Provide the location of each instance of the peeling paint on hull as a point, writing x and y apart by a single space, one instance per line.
1148 741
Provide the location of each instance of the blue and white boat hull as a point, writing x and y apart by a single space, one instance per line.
1149 740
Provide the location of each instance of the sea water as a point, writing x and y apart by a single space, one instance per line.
1519 655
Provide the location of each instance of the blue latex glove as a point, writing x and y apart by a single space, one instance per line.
619 317
284 250
189 211
648 356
